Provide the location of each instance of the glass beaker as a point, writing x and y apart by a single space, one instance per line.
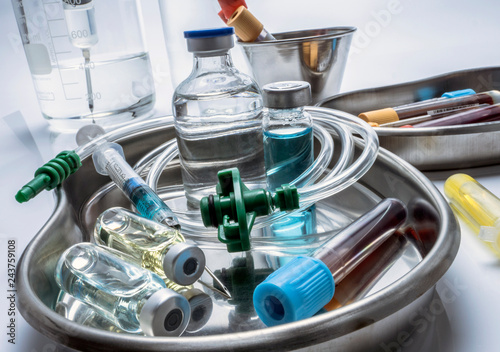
87 59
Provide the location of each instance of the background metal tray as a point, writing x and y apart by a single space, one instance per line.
404 289
438 148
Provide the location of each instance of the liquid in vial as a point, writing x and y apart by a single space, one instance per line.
153 246
288 151
218 117
132 298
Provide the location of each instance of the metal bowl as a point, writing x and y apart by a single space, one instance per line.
403 288
317 56
434 148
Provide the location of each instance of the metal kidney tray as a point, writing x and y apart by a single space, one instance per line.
402 285
433 148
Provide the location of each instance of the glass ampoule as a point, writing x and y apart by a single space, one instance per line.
304 285
132 298
149 244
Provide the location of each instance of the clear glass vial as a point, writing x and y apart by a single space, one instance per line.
153 246
218 117
288 147
132 298
288 131
82 313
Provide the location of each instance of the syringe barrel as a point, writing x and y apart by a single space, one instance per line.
109 160
343 252
80 20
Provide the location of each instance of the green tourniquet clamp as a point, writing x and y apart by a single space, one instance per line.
234 208
50 175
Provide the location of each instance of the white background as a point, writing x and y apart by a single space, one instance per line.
396 41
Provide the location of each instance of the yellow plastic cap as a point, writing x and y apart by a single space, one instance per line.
246 26
380 116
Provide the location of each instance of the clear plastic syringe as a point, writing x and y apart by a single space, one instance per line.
109 160
80 20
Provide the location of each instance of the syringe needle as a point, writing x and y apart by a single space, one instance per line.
225 292
90 98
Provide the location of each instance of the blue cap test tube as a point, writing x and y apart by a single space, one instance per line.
299 289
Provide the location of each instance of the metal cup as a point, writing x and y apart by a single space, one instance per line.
317 56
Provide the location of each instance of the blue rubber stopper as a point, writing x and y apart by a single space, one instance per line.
209 33
296 291
458 93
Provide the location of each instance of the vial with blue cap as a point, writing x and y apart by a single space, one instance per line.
218 117
299 289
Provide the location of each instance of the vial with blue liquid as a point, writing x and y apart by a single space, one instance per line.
288 147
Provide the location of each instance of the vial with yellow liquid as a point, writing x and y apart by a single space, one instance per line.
477 207
149 244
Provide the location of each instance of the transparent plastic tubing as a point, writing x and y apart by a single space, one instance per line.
345 173
342 175
191 219
122 132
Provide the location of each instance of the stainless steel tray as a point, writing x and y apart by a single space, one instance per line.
438 148
404 289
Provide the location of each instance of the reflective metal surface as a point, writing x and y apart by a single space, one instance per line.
317 56
381 309
438 148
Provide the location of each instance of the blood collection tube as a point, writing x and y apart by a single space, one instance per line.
419 119
228 7
430 107
304 285
482 114
477 207
366 275
247 27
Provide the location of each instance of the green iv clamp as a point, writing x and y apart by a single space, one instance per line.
234 208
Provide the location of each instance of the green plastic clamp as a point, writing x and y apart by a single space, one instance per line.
234 208
50 175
